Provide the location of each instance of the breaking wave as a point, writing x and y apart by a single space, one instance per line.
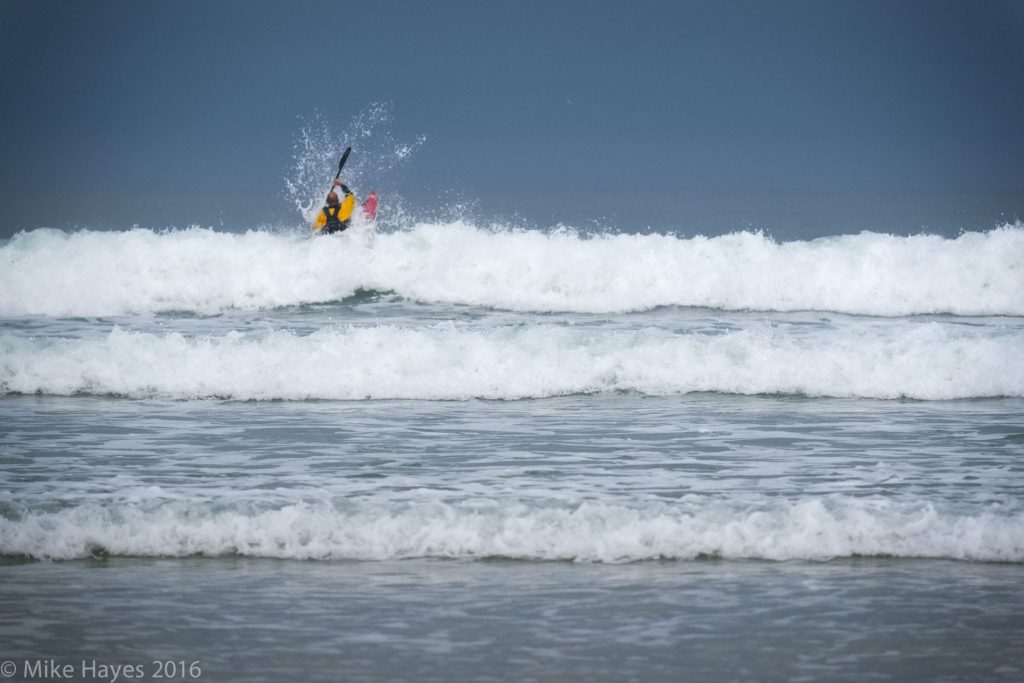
920 360
589 531
48 272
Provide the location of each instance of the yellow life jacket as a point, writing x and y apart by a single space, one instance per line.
335 218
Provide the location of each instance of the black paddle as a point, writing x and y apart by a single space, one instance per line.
344 158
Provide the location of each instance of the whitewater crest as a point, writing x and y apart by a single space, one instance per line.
447 361
589 531
86 273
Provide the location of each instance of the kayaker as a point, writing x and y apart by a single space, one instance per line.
336 215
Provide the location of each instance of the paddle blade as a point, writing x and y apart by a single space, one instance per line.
344 158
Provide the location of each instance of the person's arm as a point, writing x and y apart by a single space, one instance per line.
343 186
321 220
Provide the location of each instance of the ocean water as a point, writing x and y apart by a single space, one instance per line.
455 451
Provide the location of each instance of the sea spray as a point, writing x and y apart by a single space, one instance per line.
377 155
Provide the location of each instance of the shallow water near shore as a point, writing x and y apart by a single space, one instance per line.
438 620
763 506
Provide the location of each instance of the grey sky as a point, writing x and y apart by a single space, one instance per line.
104 105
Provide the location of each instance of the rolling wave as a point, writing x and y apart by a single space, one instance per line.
817 528
48 272
920 360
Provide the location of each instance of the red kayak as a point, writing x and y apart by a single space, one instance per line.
370 207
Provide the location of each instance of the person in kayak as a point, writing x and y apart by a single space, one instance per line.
336 215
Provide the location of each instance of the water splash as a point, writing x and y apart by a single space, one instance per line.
377 154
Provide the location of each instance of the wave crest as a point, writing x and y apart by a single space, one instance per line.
46 272
928 360
814 529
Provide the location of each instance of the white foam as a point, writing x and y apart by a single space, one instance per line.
810 529
921 360
111 273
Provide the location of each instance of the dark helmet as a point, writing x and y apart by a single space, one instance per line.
332 199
